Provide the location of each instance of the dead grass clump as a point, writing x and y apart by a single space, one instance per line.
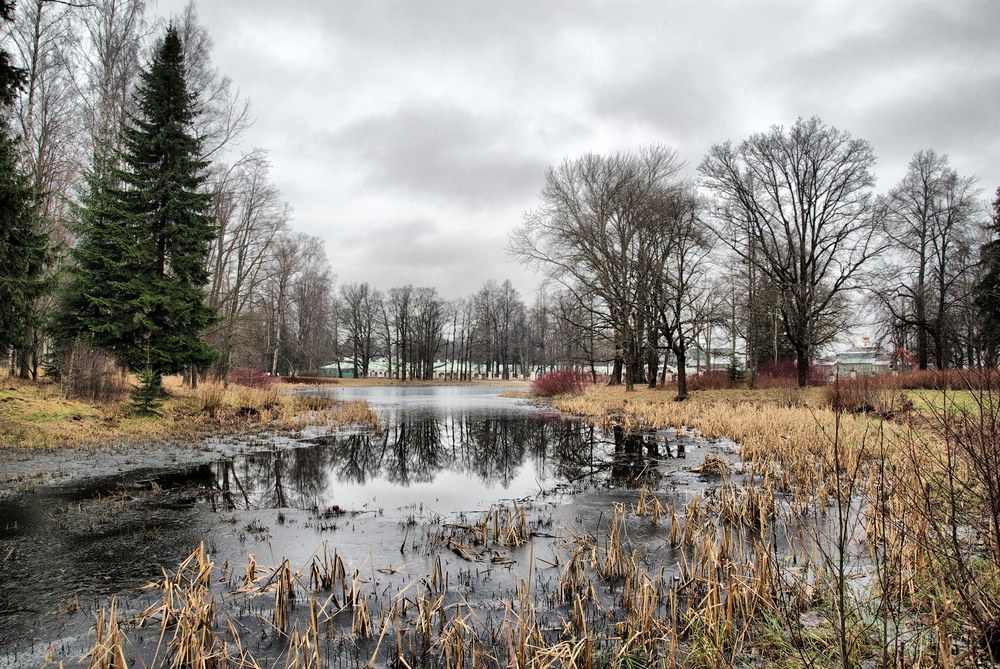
649 505
355 412
212 399
108 651
713 465
257 402
316 402
878 395
188 607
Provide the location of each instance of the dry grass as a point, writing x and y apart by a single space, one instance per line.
108 651
37 415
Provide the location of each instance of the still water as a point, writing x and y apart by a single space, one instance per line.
440 453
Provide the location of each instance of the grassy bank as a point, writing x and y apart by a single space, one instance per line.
37 415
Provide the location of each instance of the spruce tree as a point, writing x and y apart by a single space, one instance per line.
163 178
23 243
137 287
101 303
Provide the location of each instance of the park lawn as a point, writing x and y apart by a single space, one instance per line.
932 402
35 415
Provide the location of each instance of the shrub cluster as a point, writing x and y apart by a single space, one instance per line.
251 378
879 394
713 380
947 379
560 382
89 374
785 372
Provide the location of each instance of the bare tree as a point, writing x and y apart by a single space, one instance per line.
426 331
931 218
399 306
276 294
361 306
596 226
684 249
312 301
250 216
797 205
223 114
109 53
47 119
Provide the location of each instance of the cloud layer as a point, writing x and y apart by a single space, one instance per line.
411 136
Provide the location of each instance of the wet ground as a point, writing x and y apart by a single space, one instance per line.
394 505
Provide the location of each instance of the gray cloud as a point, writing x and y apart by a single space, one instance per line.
410 135
436 150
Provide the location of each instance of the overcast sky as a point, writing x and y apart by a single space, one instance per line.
411 135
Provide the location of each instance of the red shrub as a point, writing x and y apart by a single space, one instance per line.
784 372
251 378
713 380
947 379
561 382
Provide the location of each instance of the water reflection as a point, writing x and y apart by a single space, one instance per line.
503 453
638 454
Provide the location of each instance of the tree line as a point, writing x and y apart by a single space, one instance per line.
135 227
781 244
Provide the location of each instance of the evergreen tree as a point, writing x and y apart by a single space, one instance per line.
101 301
11 77
988 290
144 231
23 243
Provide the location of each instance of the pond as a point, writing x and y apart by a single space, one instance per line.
408 502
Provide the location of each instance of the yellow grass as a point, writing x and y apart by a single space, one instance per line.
35 415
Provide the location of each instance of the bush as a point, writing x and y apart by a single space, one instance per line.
561 382
86 373
251 378
878 394
947 379
712 380
785 372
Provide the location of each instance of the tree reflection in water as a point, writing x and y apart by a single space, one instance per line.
489 448
415 448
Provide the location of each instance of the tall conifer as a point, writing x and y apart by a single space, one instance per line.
988 290
144 233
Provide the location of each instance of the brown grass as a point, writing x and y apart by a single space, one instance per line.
37 415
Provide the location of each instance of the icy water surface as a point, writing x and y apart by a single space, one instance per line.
379 498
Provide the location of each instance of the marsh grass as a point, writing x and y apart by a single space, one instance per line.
108 651
842 540
38 414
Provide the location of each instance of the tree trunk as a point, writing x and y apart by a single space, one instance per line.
616 373
682 386
802 361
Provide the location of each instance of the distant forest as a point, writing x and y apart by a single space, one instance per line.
134 231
